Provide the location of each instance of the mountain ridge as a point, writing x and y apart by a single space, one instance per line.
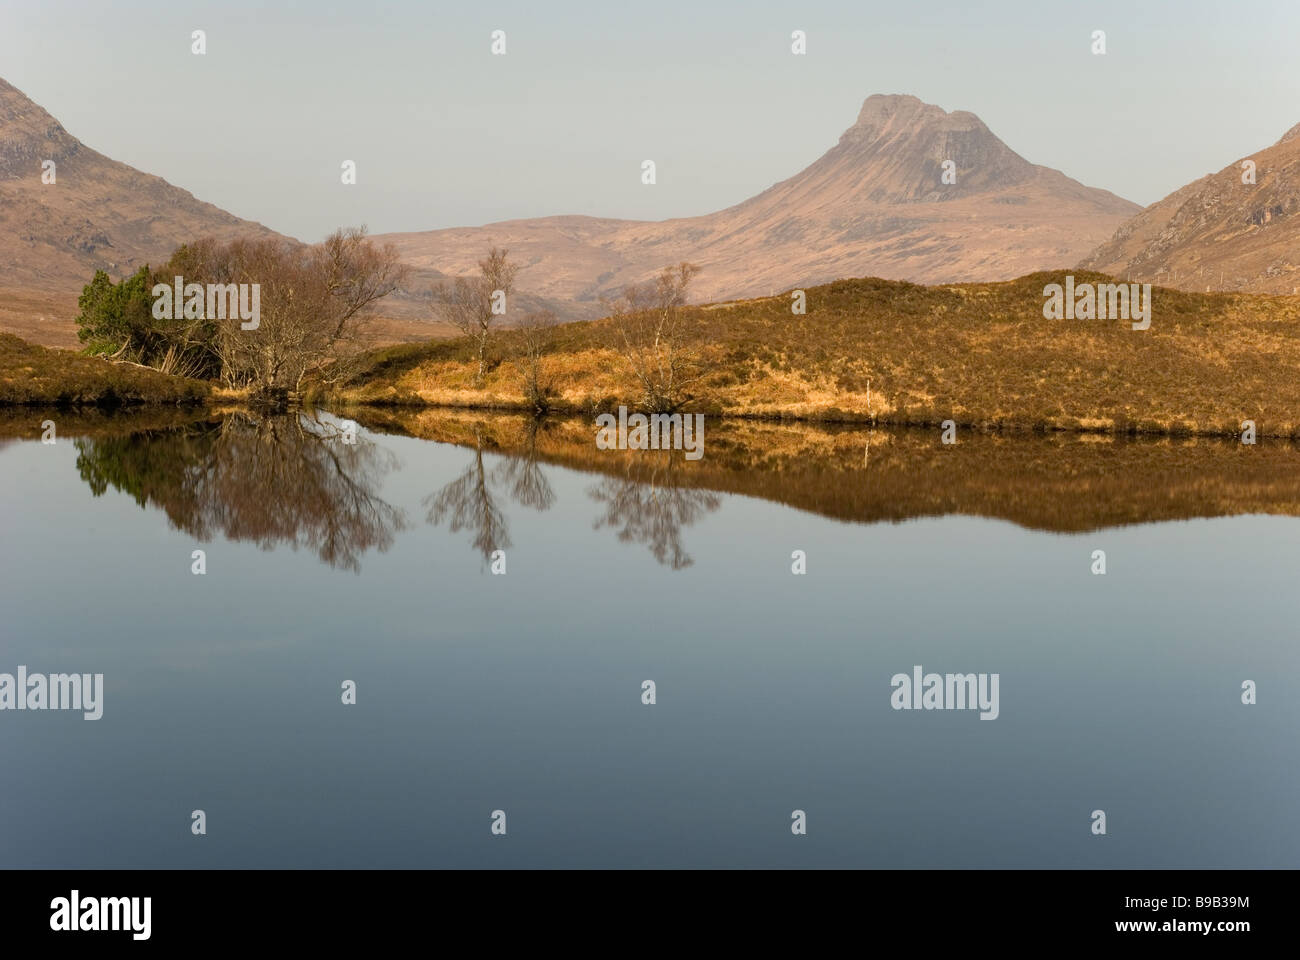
874 204
98 214
1218 232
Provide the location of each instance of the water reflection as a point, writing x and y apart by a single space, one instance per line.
271 480
649 507
1062 483
1121 690
467 503
645 503
522 472
294 480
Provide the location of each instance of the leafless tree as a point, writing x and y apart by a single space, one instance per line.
313 301
648 330
535 331
474 304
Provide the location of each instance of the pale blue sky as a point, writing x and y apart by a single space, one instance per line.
445 134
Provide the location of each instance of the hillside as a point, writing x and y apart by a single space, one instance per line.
873 205
98 215
894 352
1218 233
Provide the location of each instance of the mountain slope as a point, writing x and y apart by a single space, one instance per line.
874 204
98 215
1217 232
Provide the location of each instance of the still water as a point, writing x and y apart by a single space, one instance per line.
372 562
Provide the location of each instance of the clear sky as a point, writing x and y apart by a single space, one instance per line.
446 134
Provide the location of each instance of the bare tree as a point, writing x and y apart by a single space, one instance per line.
535 331
312 302
647 320
355 273
473 304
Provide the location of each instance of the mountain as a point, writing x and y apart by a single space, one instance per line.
98 215
1218 233
873 205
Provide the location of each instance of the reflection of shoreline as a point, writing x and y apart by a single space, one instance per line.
1067 483
651 511
24 423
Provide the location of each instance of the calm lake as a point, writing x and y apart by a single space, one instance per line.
372 561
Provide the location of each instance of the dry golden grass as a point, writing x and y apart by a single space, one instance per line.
892 352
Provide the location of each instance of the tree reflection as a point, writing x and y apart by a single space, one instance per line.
527 484
271 480
646 506
469 503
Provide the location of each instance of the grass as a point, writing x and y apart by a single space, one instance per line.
31 374
897 353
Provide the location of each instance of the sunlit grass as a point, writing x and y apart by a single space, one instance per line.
892 352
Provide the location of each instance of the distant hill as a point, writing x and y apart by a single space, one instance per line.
873 205
1218 233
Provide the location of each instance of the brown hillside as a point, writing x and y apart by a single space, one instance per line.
1218 233
873 205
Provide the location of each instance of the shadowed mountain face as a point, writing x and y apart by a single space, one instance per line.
874 205
1219 233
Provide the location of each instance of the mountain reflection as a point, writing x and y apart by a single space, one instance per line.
288 480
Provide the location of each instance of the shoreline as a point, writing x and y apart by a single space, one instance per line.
338 404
